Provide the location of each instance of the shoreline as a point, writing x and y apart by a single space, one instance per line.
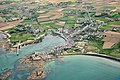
40 68
97 55
38 64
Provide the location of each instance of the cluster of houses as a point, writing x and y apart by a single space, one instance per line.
40 56
5 2
83 21
81 46
29 28
57 51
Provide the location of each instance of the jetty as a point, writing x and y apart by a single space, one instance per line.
29 41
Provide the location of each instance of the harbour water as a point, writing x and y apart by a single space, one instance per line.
8 60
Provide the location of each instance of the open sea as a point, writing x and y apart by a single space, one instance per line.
84 68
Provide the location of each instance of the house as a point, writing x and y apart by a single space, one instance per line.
113 11
115 27
110 39
98 14
40 56
35 56
82 21
14 19
37 1
2 19
109 19
81 44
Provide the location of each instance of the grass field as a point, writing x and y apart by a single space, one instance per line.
108 7
58 1
109 25
96 46
15 37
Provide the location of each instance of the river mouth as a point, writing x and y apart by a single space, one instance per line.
82 67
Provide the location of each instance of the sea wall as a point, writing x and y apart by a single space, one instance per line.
97 55
105 56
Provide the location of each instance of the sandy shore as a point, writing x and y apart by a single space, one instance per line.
97 55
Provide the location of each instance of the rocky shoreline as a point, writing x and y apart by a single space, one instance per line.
39 71
4 41
40 63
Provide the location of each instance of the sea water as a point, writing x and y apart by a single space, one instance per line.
84 68
71 68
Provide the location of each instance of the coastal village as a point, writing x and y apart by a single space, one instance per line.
84 25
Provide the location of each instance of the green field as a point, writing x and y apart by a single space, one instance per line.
109 7
97 44
109 25
16 37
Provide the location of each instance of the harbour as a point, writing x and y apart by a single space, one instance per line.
54 41
59 40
